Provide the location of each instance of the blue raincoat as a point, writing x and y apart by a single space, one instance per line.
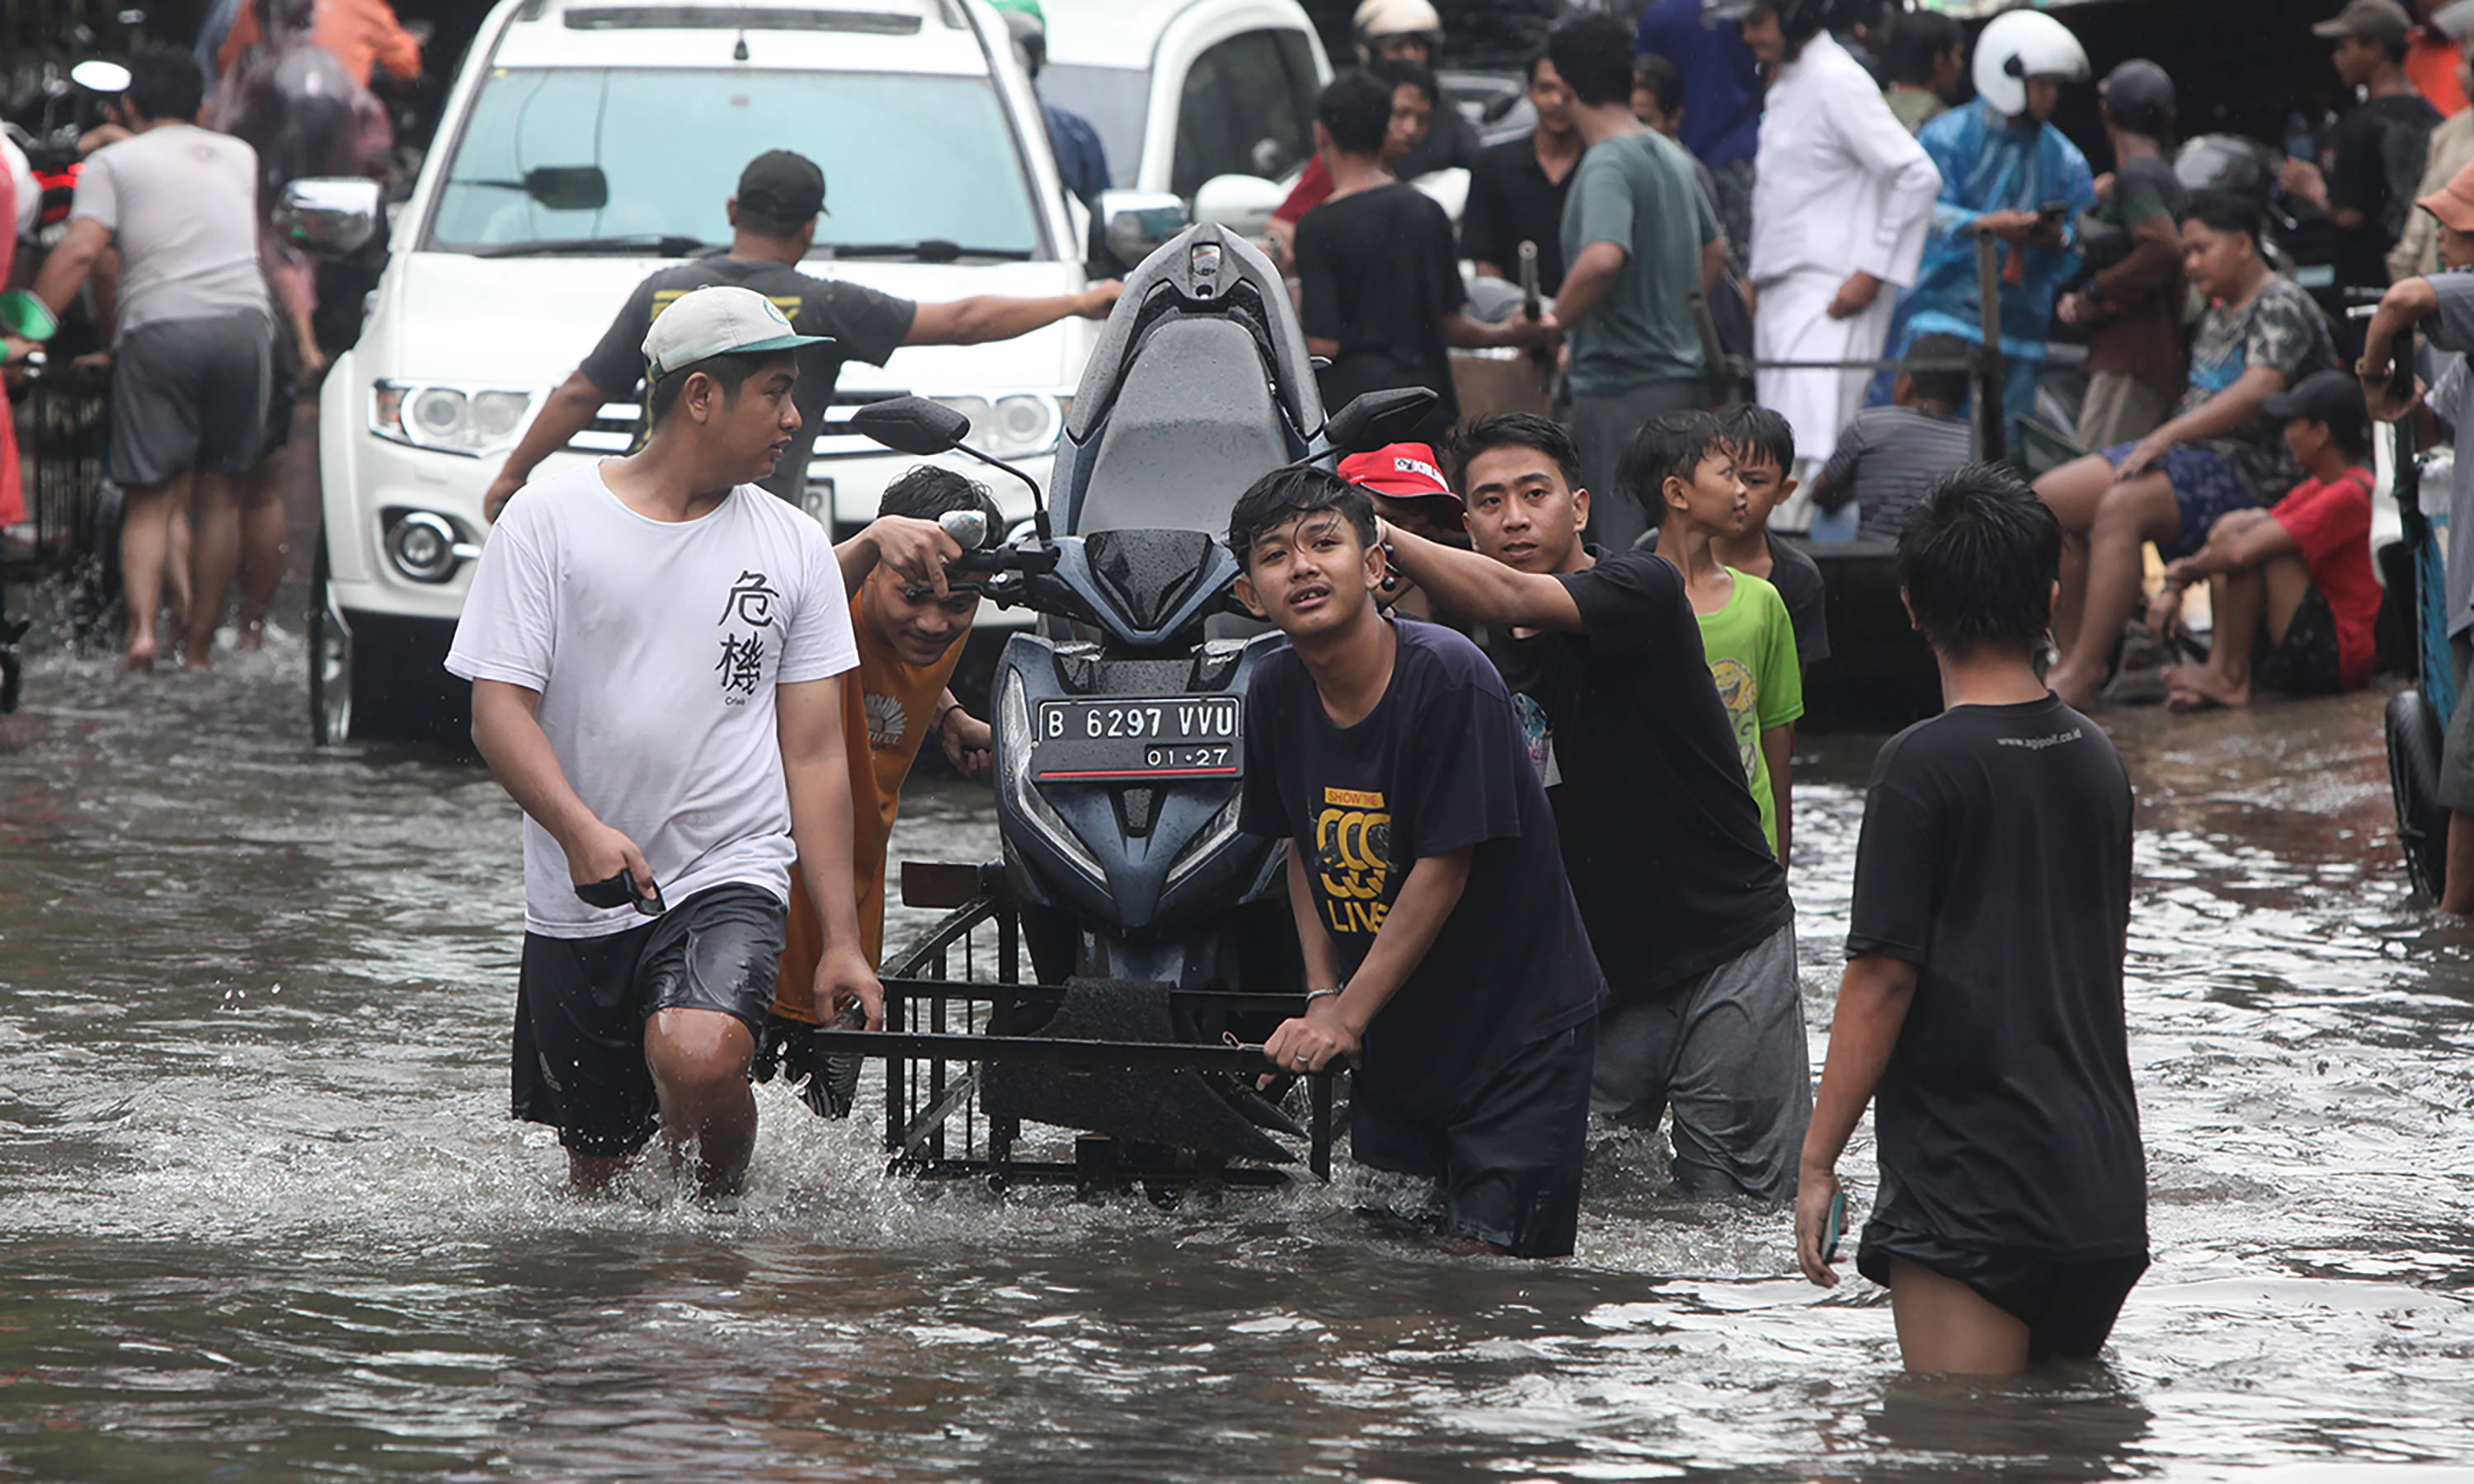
1988 166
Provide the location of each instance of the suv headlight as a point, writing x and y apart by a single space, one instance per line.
450 419
1014 426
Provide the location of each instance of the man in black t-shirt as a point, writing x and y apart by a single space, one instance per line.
2379 145
1517 188
1444 958
1379 285
1982 1002
772 221
1686 907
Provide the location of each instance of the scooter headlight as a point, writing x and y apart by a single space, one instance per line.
1221 829
1013 775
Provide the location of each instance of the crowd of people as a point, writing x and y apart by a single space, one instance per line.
1584 902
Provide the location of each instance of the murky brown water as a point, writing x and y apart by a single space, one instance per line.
262 1215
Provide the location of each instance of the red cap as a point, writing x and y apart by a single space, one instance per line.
1400 472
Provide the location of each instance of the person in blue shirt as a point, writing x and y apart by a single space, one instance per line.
2003 169
1081 161
1722 105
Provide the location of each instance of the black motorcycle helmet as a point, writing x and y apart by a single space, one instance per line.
2226 162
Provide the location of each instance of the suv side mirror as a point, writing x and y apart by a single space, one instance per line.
1242 204
912 424
329 216
1136 224
1374 418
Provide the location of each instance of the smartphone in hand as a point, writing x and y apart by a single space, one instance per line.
1833 1228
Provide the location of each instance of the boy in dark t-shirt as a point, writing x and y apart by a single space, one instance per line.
1444 958
1686 907
1982 1002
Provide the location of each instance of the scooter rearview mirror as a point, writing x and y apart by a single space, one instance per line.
912 424
1376 418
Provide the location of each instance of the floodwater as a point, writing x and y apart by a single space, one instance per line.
262 1215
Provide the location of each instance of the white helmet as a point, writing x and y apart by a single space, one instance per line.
1377 19
2022 44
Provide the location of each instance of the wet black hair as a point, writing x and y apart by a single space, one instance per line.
1512 430
1593 54
1667 447
1978 559
1656 76
1408 72
164 83
2226 211
1917 40
1939 385
925 491
1753 429
730 371
1356 108
1284 494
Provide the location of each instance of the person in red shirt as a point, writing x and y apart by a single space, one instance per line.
363 35
2432 57
2291 588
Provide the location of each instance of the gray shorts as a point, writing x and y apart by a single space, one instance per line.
1726 1053
190 394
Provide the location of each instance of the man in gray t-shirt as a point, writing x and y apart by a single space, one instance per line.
1640 240
191 350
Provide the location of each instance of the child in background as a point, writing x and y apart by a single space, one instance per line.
2293 585
1764 448
1888 456
1680 467
1982 1000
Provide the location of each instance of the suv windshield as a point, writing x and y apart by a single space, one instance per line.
666 143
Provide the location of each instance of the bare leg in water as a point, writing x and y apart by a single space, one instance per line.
145 540
2115 519
214 557
2239 600
264 532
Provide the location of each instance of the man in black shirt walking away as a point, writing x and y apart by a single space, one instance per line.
1444 958
1380 288
1686 907
1982 1000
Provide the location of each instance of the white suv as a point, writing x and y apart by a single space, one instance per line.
587 143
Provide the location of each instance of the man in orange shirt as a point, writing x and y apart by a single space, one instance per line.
363 35
909 635
2431 56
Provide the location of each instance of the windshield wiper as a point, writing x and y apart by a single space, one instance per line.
926 250
660 245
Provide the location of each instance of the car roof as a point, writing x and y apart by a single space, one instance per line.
834 35
1127 33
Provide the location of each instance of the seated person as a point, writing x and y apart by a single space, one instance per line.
2219 451
1444 954
1408 491
1764 445
1889 456
909 636
2292 586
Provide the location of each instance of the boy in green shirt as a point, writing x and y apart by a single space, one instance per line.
1683 470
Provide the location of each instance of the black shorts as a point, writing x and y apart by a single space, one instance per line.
2306 664
1506 1161
2068 1307
581 1004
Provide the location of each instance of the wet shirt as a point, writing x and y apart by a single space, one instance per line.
1637 191
2331 522
180 204
1511 201
1659 832
1797 577
1750 644
1886 457
1376 272
2280 327
1996 857
2380 151
1440 764
865 326
2451 331
656 648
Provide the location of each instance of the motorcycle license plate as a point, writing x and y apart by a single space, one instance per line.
1128 738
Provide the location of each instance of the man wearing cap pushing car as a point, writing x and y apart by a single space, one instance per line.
1410 493
675 744
773 222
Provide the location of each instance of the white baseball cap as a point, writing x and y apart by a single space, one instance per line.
717 320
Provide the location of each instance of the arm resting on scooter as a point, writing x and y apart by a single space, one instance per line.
1334 1025
65 268
1480 588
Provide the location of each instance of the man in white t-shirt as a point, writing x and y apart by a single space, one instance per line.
657 647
